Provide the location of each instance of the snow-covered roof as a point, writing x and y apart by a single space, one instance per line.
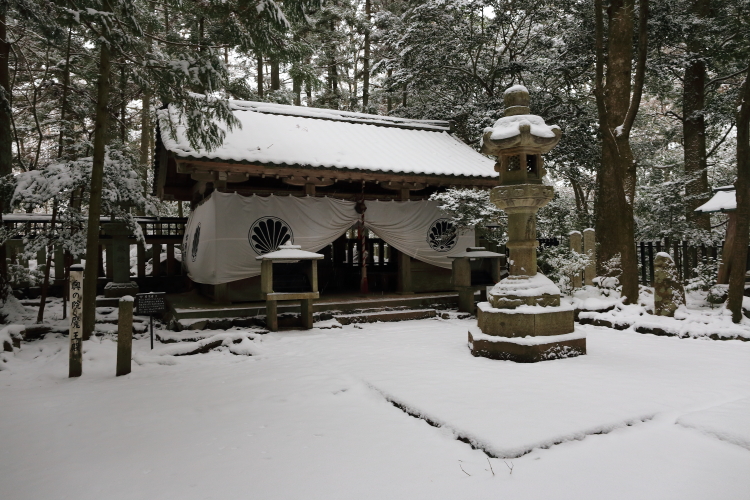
276 134
290 252
722 201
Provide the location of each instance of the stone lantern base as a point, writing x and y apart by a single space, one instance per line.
116 290
523 321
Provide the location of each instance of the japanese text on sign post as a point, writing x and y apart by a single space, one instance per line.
76 320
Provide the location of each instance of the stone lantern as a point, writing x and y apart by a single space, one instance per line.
522 319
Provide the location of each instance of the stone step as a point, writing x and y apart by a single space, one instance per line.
206 310
385 316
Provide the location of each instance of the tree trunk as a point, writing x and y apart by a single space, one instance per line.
123 105
145 159
366 62
616 177
260 76
6 135
275 79
389 99
694 124
739 257
95 195
64 103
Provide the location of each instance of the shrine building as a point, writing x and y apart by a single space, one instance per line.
314 178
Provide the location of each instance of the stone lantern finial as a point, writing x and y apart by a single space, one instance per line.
516 101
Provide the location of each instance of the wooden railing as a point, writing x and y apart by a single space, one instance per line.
163 238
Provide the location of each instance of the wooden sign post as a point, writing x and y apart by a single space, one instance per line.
75 367
149 304
124 335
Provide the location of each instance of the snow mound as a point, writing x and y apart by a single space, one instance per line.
728 422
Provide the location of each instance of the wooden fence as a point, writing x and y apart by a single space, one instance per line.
159 258
686 256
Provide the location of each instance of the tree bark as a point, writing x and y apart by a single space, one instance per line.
275 79
389 99
742 185
260 76
95 193
616 177
366 62
144 159
6 135
693 122
50 254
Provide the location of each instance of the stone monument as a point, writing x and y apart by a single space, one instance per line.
669 294
121 284
522 319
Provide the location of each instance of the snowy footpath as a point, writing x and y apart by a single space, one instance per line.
377 411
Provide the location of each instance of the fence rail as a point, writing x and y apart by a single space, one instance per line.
686 256
159 257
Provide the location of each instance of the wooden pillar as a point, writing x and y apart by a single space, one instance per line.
575 241
310 189
404 274
170 260
306 307
589 247
272 317
142 260
156 260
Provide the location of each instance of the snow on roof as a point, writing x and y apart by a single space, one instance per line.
722 201
510 126
299 136
290 252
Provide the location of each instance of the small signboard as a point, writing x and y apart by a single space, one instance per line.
148 304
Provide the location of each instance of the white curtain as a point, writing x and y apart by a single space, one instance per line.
228 231
418 229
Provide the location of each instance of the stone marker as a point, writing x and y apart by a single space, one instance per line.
589 247
75 368
575 245
669 293
121 284
124 335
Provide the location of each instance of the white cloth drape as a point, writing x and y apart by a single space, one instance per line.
235 229
418 229
227 232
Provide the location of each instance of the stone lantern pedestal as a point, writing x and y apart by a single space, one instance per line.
522 319
121 285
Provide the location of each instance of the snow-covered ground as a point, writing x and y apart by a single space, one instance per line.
330 414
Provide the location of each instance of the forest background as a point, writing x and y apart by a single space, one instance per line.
652 98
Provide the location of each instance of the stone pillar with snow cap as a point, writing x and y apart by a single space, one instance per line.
522 319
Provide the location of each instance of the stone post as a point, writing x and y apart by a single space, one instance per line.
589 246
124 335
75 365
120 255
575 245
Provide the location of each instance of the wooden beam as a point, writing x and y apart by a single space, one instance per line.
185 166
